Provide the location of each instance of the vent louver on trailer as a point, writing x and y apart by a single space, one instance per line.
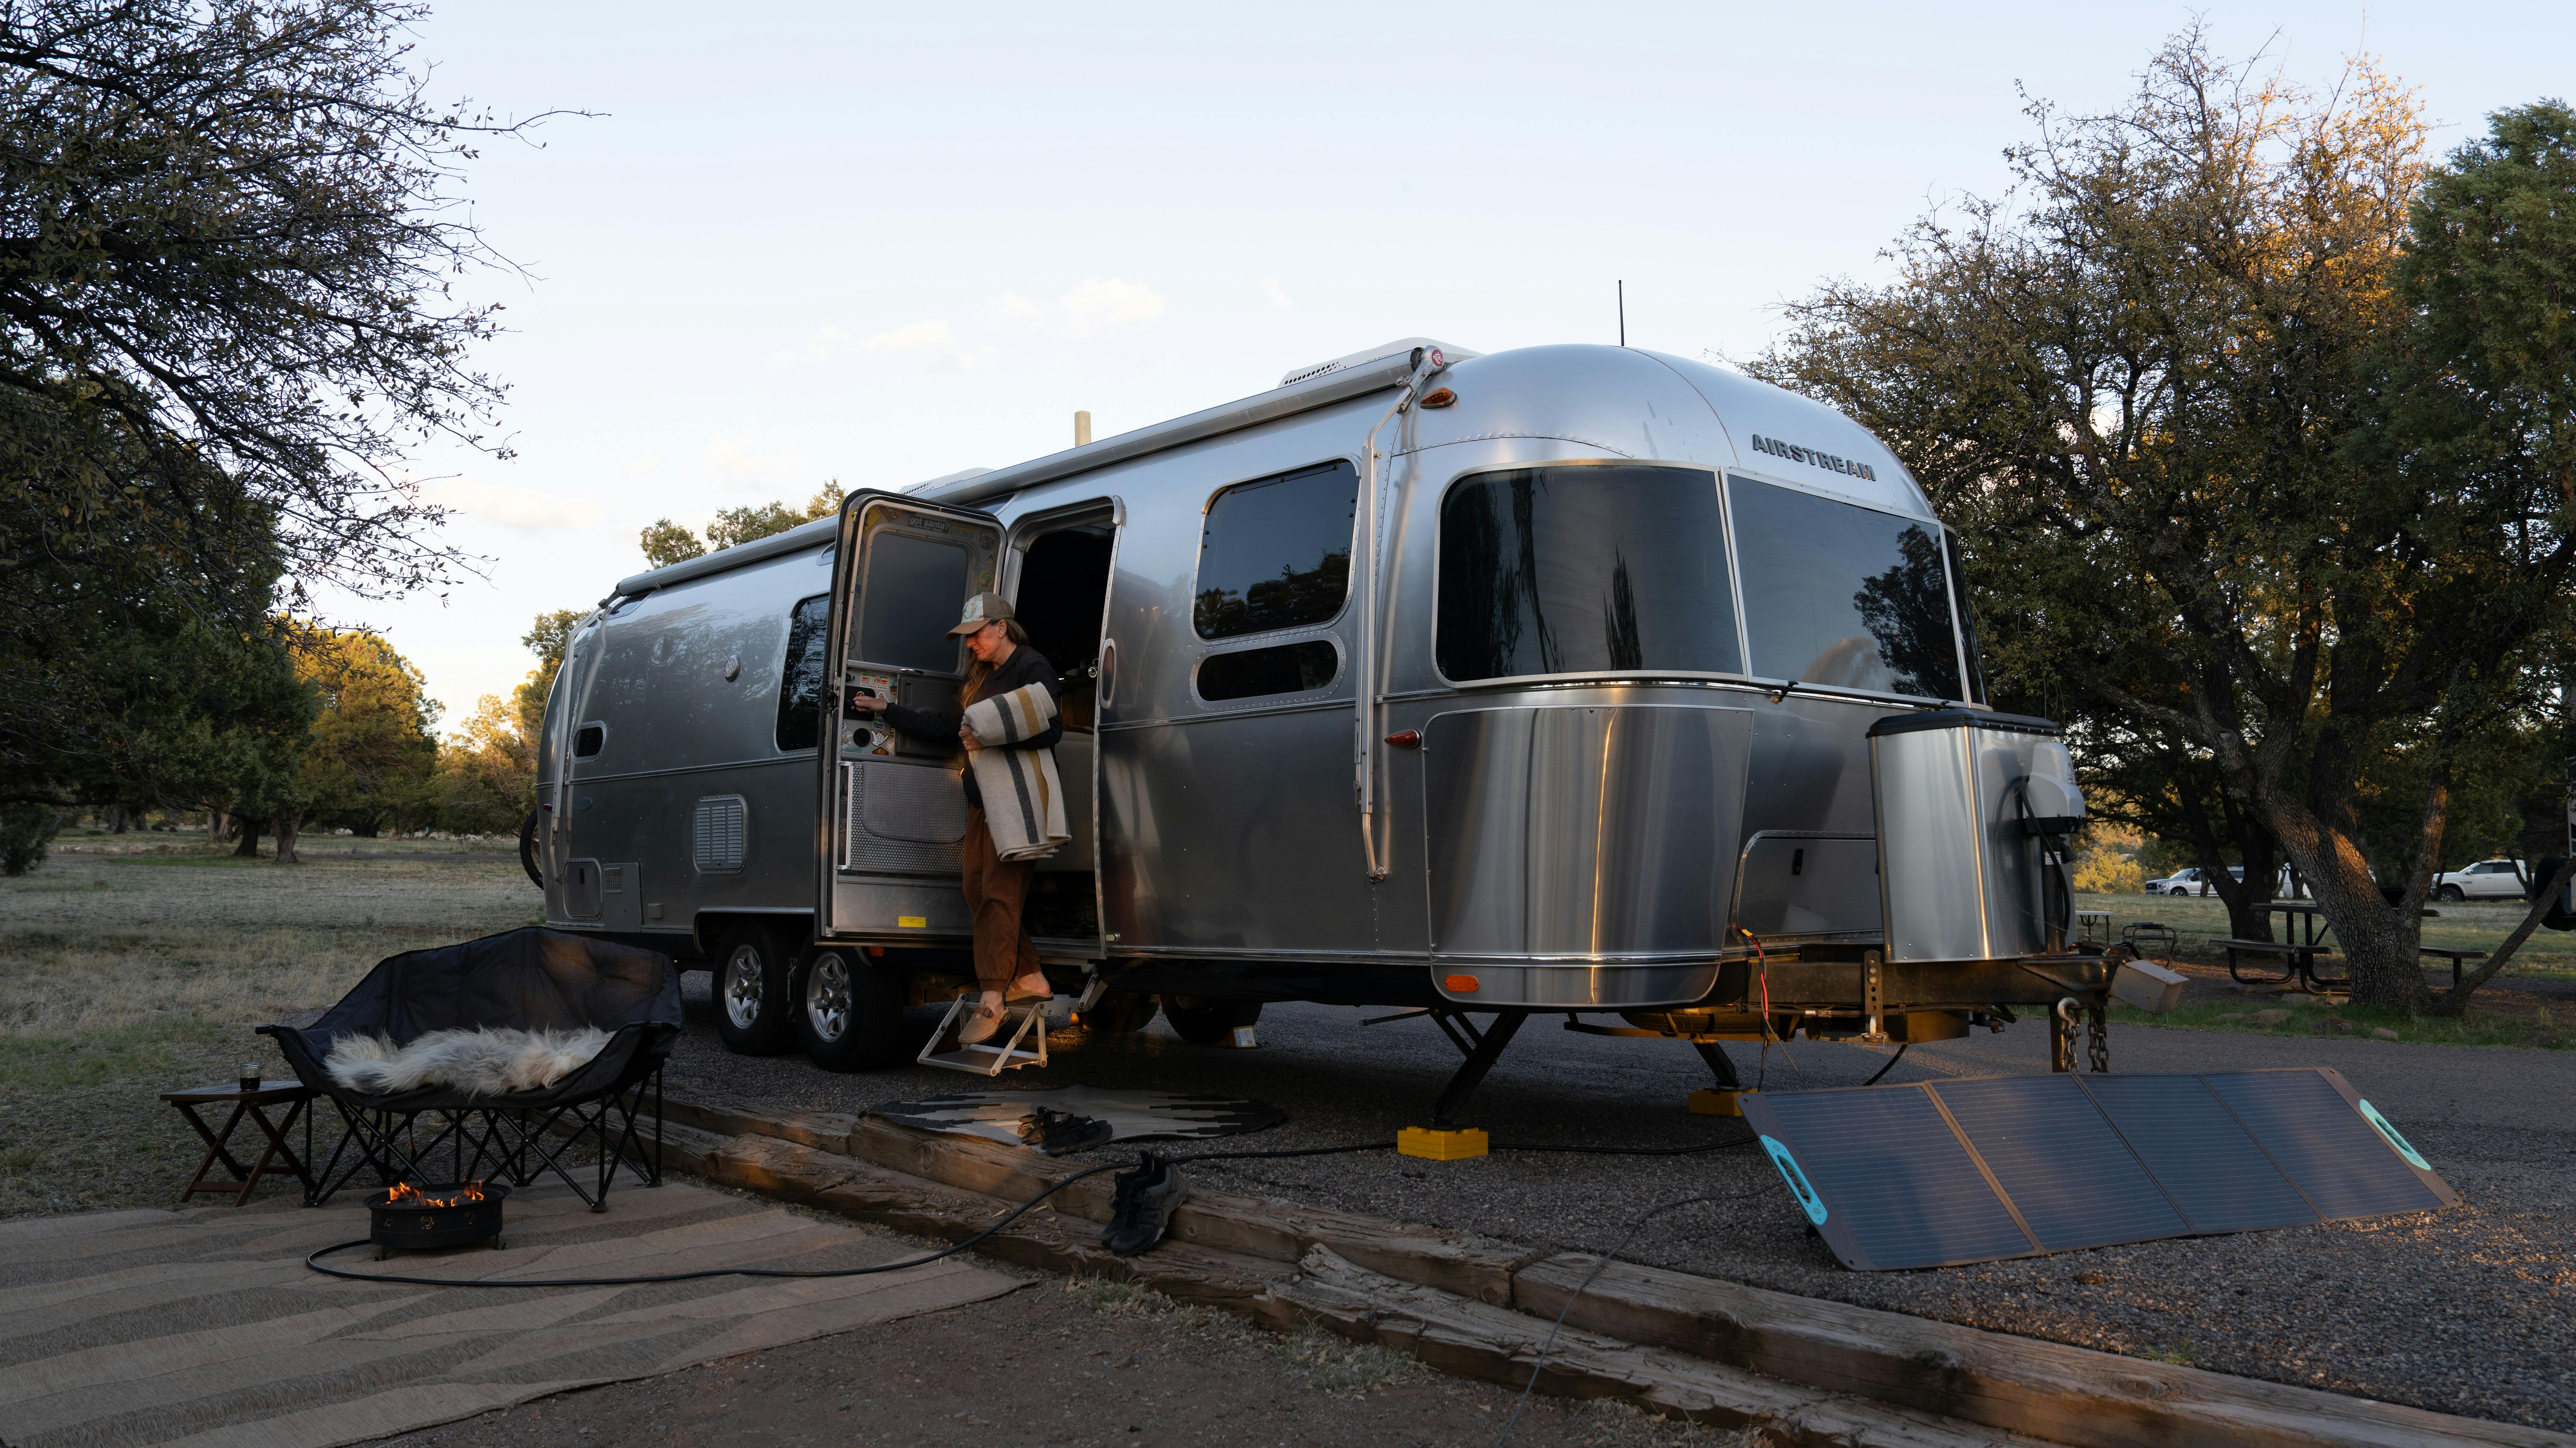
1950 1172
719 830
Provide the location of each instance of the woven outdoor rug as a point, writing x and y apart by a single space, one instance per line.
203 1327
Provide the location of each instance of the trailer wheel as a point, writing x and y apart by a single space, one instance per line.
528 850
1204 1022
755 1002
1119 1013
850 1011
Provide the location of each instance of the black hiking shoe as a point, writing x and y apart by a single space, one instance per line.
1143 1205
1059 1132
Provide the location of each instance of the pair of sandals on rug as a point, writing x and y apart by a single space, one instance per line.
984 1018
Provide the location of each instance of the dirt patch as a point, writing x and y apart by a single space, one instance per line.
1065 1363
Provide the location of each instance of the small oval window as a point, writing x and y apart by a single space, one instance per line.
588 740
1284 669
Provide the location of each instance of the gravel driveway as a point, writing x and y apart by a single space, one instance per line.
2470 1310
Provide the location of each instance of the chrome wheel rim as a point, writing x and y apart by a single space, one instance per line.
827 997
742 987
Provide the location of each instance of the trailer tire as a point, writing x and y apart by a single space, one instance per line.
528 850
1119 1013
755 994
1205 1022
849 1010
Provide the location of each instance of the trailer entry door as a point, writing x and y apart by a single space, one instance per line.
892 808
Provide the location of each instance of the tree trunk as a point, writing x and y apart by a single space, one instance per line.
248 825
116 819
286 827
214 828
2379 944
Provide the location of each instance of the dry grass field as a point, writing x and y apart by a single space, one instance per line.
129 973
135 964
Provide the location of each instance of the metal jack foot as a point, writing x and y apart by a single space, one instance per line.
1482 1049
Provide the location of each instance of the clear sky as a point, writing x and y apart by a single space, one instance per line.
879 243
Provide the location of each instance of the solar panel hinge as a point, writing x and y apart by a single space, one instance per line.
1870 1002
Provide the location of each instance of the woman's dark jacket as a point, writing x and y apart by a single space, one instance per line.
1024 667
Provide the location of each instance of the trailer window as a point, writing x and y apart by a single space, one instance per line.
1276 552
1284 669
914 591
800 683
1841 595
1570 570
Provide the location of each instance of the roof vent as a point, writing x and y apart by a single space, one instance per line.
1374 354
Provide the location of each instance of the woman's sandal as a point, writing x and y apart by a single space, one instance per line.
980 1027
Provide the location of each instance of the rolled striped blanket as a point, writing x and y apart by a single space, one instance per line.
1023 794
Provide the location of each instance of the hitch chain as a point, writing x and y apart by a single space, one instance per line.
2097 1031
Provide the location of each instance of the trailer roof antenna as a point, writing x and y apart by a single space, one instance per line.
1623 312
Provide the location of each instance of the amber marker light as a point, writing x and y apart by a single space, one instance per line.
1406 739
1460 984
1439 397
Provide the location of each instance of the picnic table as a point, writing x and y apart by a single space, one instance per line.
2087 920
2299 963
2303 911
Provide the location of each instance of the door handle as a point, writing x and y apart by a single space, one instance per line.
1108 671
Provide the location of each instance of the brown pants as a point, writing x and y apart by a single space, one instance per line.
995 891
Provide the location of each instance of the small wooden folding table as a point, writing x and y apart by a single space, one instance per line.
294 1096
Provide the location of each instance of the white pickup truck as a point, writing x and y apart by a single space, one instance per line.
2485 880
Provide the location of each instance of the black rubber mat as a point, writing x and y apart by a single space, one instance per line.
1942 1173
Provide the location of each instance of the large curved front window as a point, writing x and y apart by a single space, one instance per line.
1577 570
1843 596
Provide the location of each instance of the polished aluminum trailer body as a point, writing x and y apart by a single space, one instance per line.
1632 787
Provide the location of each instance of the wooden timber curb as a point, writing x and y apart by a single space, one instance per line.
1805 1370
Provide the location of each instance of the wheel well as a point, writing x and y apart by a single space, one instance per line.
790 929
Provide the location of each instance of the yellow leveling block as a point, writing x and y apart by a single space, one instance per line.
1705 1102
1432 1144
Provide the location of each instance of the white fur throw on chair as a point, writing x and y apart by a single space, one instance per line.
477 1062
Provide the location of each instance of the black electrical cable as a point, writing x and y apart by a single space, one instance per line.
1890 1066
1547 1346
313 1258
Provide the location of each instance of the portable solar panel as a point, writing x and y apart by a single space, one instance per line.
1942 1173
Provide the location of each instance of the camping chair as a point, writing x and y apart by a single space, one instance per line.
530 980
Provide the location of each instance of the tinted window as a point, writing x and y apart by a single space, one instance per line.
1841 595
588 740
915 589
800 683
1287 669
1276 553
1584 570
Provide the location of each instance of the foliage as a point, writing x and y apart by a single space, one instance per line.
26 833
665 542
2230 485
487 774
227 234
2107 863
373 755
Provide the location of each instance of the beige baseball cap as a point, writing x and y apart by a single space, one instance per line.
982 609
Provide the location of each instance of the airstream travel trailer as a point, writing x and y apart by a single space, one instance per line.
1577 680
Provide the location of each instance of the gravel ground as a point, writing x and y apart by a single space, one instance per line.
1063 1363
2470 1310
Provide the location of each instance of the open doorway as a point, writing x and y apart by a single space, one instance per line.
1060 596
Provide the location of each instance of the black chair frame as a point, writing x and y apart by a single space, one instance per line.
519 1144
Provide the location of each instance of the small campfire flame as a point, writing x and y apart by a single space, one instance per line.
405 1194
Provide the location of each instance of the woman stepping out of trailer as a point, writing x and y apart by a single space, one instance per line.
997 871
